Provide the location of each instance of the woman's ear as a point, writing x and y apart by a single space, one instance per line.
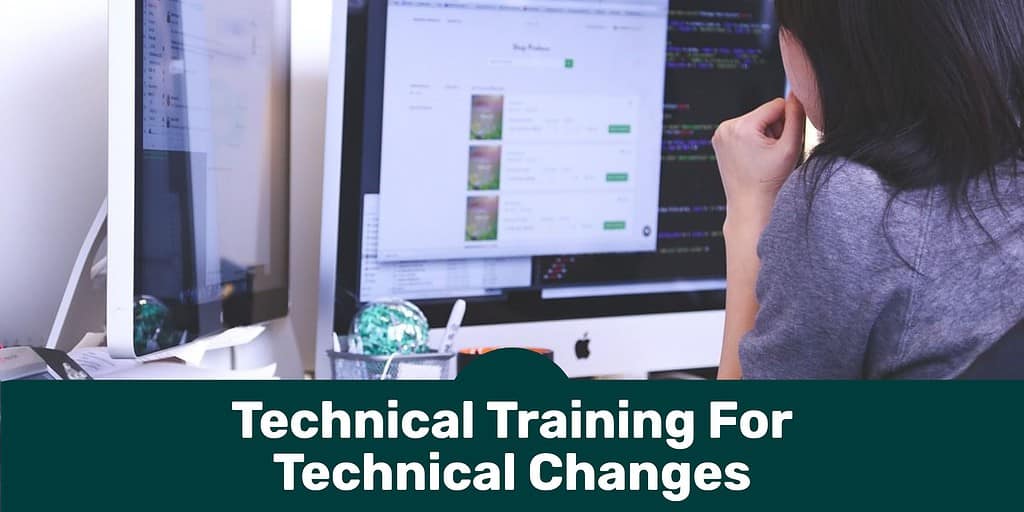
802 79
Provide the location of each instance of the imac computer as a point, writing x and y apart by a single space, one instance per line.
198 170
548 161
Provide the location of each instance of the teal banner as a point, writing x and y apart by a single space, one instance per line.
512 432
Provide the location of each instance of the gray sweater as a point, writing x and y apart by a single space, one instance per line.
838 302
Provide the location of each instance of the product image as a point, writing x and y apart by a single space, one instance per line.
482 219
484 168
486 117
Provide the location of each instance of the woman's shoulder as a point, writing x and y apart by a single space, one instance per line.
842 209
837 186
840 196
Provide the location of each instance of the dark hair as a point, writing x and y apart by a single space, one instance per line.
928 93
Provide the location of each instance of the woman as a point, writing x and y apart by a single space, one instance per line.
897 250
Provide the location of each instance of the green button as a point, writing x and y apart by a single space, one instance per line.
569 63
617 177
617 225
620 128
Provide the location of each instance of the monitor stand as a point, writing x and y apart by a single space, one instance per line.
82 311
81 316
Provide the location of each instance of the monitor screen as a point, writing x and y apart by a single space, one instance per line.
545 160
211 167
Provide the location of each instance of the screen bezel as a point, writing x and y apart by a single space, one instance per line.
364 72
125 150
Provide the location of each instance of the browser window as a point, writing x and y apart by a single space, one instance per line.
538 133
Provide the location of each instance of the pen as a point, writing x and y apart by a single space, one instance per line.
454 322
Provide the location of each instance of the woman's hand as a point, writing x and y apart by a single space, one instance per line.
756 153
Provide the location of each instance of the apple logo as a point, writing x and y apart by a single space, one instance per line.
583 347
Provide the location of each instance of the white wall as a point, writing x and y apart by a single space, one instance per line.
53 115
53 101
311 38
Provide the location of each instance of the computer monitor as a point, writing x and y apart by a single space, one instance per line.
198 170
536 130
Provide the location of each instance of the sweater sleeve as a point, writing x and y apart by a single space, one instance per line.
832 291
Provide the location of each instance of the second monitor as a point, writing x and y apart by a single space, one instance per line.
198 170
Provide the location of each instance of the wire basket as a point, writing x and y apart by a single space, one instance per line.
427 366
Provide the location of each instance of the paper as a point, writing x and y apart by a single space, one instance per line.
175 371
99 365
96 361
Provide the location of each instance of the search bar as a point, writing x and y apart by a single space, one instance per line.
649 6
528 63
